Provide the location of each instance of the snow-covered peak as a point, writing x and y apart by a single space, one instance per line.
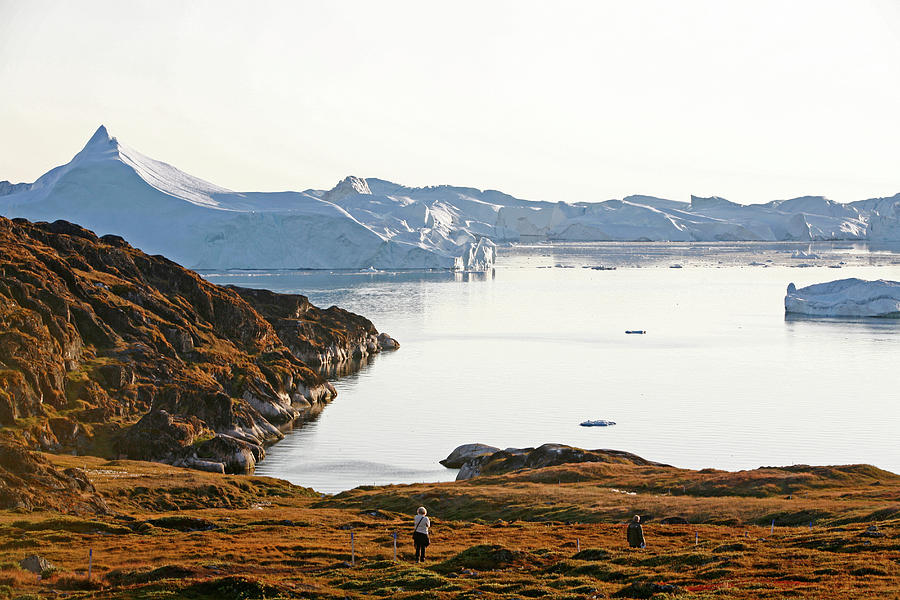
105 149
101 146
712 202
100 138
347 187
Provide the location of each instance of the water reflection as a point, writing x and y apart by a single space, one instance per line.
474 275
347 367
891 323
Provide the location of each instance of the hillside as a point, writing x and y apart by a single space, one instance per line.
108 351
556 532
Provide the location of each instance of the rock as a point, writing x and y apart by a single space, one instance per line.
203 465
28 481
386 342
65 430
513 459
465 453
236 456
674 521
158 435
36 564
114 376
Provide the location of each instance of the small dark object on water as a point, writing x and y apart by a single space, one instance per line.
637 331
598 423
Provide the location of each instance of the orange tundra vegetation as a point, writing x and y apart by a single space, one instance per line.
555 532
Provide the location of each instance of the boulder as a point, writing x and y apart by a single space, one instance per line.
236 456
36 564
466 452
159 434
386 342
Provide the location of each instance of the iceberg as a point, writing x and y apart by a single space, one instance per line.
111 188
477 257
845 298
368 222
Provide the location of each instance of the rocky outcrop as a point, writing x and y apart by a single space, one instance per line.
466 453
478 459
29 482
320 337
106 350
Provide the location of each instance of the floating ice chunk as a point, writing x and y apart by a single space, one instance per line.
477 256
845 298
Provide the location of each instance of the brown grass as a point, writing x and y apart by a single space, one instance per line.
506 537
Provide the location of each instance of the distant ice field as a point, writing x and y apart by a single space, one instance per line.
521 357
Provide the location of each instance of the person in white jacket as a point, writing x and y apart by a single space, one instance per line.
421 526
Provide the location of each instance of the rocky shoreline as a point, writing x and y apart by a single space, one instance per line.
108 351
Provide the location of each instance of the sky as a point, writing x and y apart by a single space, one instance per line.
570 101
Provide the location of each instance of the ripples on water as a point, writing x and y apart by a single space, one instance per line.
520 357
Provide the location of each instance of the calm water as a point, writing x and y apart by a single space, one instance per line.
519 358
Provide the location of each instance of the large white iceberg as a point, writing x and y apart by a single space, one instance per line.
845 298
363 223
111 188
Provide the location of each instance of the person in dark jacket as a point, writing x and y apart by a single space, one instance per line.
635 533
421 525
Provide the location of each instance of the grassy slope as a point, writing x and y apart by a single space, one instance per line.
272 539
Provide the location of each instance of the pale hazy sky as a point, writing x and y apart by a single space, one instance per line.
544 100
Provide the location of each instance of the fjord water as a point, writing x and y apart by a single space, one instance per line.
521 356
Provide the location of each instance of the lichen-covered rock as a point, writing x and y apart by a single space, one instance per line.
319 337
97 337
160 435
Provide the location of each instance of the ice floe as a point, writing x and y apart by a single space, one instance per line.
845 298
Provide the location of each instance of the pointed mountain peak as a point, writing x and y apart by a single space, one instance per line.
101 141
355 184
101 136
347 186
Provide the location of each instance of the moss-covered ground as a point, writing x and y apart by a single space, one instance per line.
550 533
